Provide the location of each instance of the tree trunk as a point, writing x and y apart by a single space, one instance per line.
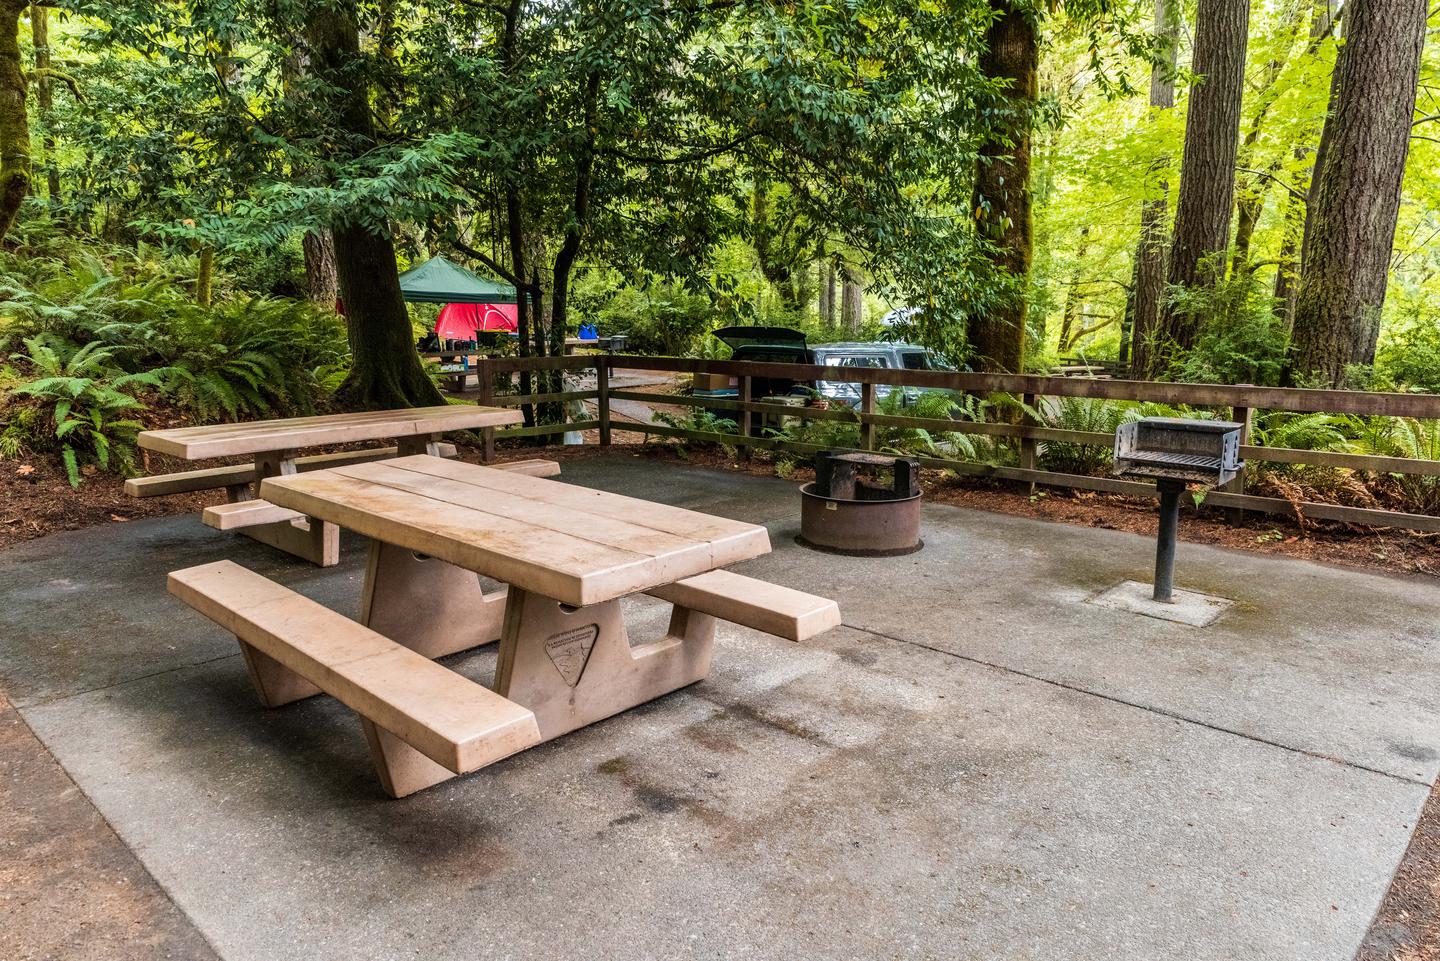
386 370
1002 187
1207 168
1148 298
1350 228
14 121
205 276
852 300
322 286
1073 301
1287 272
827 292
45 97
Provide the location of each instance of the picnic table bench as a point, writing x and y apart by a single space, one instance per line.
567 556
273 446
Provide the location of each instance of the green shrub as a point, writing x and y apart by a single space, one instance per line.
1408 357
1240 340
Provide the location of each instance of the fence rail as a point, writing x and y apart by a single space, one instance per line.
1241 402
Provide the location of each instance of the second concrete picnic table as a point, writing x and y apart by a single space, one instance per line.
275 444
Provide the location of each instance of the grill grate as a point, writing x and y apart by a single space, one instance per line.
1203 461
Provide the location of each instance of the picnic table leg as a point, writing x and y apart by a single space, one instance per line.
575 666
426 604
310 539
418 444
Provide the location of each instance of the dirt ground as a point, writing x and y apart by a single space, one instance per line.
69 887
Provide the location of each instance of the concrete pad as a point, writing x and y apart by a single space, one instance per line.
1184 607
858 797
1326 660
979 765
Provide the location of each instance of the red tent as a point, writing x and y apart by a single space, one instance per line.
463 321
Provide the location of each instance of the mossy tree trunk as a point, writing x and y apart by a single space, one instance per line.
1207 170
386 370
205 276
1354 204
1002 199
14 121
45 96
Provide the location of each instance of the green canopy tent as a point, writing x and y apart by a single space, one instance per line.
472 302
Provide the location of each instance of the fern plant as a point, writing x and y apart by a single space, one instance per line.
1405 437
88 403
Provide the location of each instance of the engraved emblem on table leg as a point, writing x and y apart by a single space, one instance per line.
570 651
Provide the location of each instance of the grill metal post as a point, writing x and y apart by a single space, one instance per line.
1170 491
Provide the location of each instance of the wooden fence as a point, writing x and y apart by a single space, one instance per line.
1240 402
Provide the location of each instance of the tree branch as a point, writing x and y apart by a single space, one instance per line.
1298 195
481 257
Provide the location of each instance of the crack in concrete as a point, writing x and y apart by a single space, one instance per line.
1148 708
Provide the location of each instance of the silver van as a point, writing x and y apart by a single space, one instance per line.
893 356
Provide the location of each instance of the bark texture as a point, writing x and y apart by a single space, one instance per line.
1207 169
14 121
322 286
827 292
1149 295
1350 227
386 369
1002 187
852 300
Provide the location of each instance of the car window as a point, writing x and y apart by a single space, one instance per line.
914 360
861 360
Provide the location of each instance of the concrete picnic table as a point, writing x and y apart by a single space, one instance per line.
568 554
274 447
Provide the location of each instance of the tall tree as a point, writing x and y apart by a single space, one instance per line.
852 299
386 370
45 96
1350 223
14 120
1207 169
1149 294
1287 270
826 271
1001 203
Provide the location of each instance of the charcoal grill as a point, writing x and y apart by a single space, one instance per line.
853 508
1175 452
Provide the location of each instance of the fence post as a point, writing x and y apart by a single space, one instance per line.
1028 445
486 384
1244 416
867 406
746 418
602 388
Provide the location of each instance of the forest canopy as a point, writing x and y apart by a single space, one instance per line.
1218 191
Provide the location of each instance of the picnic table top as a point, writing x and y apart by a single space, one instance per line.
576 545
265 436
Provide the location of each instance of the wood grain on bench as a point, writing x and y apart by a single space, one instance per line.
257 437
214 478
238 515
576 545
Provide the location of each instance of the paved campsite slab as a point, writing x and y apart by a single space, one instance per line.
980 765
